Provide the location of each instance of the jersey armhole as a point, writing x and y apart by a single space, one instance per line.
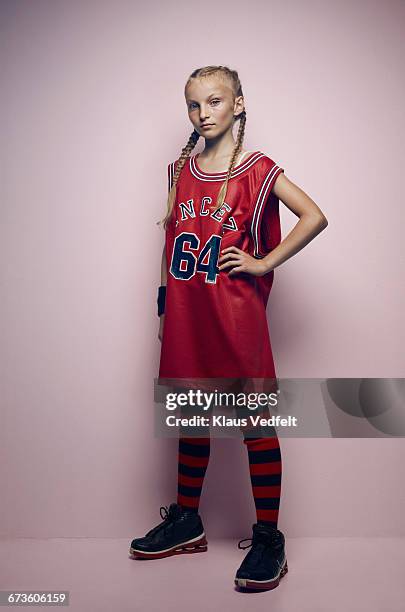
170 176
265 220
170 228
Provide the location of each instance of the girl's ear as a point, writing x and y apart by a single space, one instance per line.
239 105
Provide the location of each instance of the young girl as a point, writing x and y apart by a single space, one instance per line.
222 244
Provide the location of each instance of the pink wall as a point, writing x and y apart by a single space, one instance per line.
93 111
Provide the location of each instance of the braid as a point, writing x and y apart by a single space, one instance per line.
185 154
236 151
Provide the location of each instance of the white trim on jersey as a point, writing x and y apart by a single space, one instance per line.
171 175
220 176
244 154
265 188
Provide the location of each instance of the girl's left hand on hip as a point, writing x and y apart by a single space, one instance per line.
239 261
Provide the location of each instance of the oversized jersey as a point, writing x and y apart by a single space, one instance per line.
215 324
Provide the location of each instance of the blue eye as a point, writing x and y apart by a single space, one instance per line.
193 104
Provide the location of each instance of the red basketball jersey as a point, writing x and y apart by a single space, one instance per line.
215 324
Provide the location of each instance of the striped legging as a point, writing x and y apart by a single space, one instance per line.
264 466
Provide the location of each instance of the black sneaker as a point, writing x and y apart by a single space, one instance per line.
181 531
266 562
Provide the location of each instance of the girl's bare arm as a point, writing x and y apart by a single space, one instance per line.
311 221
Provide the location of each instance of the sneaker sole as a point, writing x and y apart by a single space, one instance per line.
259 585
195 545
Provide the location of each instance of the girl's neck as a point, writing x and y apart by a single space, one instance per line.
221 165
218 150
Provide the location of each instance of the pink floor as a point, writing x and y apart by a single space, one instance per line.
339 574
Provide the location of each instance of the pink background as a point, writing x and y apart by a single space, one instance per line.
93 110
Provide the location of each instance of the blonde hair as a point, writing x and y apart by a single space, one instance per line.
233 78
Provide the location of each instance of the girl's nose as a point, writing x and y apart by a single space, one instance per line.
204 114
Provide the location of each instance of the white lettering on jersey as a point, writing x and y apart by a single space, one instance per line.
188 210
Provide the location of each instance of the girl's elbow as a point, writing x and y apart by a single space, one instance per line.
322 222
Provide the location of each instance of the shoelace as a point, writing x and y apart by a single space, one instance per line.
270 538
166 511
259 543
169 515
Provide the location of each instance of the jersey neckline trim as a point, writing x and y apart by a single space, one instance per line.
198 173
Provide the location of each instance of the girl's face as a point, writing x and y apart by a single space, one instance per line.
210 102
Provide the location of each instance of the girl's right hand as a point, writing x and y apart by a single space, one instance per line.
162 322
